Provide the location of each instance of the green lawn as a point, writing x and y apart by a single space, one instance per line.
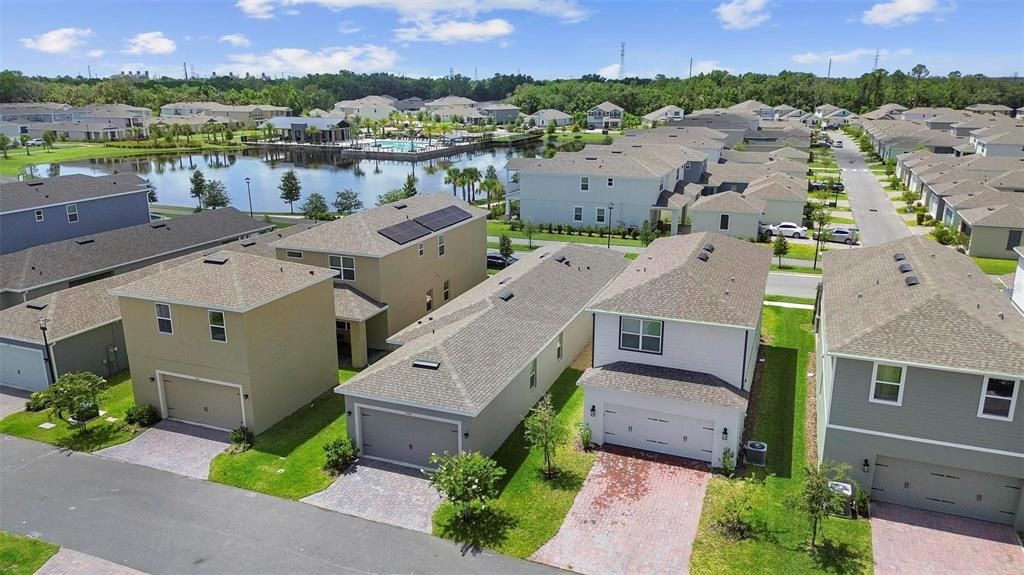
515 247
18 160
529 510
495 229
993 266
804 251
790 299
632 256
777 415
841 220
23 555
585 137
98 434
287 460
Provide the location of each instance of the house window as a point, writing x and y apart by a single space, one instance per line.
577 214
218 330
39 215
72 213
998 398
163 318
637 334
533 373
293 255
887 384
419 248
723 222
430 299
447 289
600 215
345 264
611 182
342 325
584 183
1011 242
440 245
558 346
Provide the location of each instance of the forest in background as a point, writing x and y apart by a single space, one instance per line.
637 95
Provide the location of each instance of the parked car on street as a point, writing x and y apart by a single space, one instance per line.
837 144
846 236
788 229
497 261
826 185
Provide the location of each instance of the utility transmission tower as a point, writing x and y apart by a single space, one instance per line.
876 60
622 59
184 67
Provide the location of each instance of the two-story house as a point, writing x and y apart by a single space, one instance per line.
396 263
675 345
230 339
45 210
367 108
605 116
466 375
920 365
664 114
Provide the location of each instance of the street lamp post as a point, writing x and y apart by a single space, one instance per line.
248 190
611 206
46 351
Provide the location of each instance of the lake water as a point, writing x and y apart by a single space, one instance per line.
318 172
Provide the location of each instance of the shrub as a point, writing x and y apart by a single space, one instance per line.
586 437
728 462
558 229
466 480
141 415
549 228
38 401
340 454
920 218
241 439
862 501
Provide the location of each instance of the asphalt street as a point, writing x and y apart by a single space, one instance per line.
876 217
160 523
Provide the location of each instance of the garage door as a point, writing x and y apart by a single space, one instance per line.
661 432
203 402
946 489
404 438
22 367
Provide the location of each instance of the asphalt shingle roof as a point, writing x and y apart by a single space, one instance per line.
351 304
665 382
40 192
728 202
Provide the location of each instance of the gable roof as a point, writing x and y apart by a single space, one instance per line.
732 202
289 122
607 106
995 216
550 114
41 192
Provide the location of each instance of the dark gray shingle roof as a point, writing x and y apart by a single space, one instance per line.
32 194
665 382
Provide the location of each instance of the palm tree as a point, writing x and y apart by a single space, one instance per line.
313 132
453 177
472 176
493 188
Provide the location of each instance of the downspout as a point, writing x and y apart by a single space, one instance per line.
743 367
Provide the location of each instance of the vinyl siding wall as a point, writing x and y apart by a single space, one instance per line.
551 198
740 225
21 230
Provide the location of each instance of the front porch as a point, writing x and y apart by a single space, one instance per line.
361 327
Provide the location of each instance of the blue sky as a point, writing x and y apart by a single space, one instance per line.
543 38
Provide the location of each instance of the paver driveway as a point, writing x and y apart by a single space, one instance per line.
68 562
382 492
11 400
637 512
908 541
172 446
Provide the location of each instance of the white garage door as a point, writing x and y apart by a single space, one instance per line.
946 489
405 439
23 367
661 432
204 402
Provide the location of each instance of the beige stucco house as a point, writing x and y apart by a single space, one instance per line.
396 263
230 339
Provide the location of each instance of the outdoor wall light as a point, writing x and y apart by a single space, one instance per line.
465 435
866 468
593 411
152 379
348 413
725 434
245 396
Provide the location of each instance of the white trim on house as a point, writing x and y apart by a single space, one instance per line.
923 440
574 220
984 394
584 181
643 316
357 408
600 215
441 249
224 320
163 396
874 380
169 318
40 216
67 209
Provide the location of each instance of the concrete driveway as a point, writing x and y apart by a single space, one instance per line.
382 492
12 400
908 541
172 446
637 512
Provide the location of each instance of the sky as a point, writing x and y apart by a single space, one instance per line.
478 38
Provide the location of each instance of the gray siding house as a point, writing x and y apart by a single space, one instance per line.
45 210
920 364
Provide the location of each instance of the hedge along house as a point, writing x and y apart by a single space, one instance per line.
230 339
675 345
466 375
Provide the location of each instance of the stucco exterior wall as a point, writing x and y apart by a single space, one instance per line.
991 243
778 211
100 350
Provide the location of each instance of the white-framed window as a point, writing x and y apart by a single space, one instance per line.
577 214
419 248
218 328
430 299
293 254
440 245
723 222
163 318
39 215
447 289
611 182
887 384
584 183
599 215
998 398
558 346
72 210
642 335
345 264
342 325
533 373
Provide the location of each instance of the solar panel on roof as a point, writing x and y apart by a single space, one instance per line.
404 232
440 219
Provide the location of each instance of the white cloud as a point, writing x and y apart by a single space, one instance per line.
95 53
743 14
349 27
57 41
451 31
150 43
261 9
298 61
898 12
236 40
292 12
610 71
427 10
847 57
708 66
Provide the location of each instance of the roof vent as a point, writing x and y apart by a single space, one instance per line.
542 256
35 306
158 226
703 256
400 206
506 296
567 263
560 259
905 267
216 260
82 242
426 364
710 248
911 281
503 281
899 256
248 244
36 183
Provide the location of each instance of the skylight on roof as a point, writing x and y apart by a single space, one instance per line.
905 267
247 244
82 242
710 248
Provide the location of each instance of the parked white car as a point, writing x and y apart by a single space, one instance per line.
788 229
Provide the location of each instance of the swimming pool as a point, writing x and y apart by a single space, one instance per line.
398 145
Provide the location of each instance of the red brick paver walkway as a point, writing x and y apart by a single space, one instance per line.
636 513
910 541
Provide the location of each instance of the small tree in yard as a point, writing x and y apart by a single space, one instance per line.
780 247
409 188
910 197
466 480
505 246
315 207
545 432
817 496
198 189
347 201
529 228
291 189
75 396
49 137
24 143
5 143
820 218
216 195
647 234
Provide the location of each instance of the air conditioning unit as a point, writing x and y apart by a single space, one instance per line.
756 453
